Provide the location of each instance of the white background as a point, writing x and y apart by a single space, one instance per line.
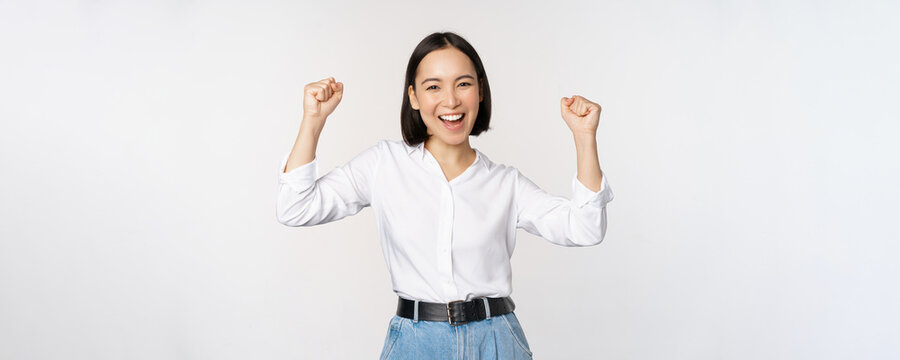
750 144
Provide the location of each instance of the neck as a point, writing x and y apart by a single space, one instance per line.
461 153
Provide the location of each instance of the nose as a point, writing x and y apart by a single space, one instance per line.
452 99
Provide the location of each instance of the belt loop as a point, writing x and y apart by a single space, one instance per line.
487 308
416 312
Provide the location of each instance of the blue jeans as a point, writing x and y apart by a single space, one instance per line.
497 338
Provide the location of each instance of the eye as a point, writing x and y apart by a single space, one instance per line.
432 86
465 83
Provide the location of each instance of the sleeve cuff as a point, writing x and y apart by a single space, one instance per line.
300 178
581 195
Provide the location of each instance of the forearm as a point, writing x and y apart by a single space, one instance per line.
304 150
588 162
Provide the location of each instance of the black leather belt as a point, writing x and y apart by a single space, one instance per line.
456 312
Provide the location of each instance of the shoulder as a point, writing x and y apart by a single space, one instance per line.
386 144
496 168
507 174
383 145
371 154
392 147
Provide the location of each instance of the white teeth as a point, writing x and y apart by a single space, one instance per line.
451 117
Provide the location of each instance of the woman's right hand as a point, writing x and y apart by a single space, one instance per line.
320 99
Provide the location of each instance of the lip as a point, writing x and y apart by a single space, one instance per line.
458 124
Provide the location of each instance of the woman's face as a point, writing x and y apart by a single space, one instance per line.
446 87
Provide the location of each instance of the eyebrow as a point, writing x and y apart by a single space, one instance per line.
457 79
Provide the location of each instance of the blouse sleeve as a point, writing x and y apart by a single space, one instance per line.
305 200
580 221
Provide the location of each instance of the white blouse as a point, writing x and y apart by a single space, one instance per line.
442 241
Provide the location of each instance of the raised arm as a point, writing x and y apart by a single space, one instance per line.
583 117
581 220
319 100
576 221
304 199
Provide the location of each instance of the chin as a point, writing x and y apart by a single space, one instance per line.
451 139
447 137
458 141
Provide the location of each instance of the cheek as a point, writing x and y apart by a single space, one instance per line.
472 97
428 105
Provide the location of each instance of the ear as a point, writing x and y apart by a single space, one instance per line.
480 90
412 98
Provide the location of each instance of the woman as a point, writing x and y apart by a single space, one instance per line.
446 214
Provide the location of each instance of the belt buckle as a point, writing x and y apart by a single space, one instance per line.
450 315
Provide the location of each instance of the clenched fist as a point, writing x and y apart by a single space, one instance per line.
320 99
582 115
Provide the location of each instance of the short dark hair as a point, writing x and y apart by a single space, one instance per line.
411 124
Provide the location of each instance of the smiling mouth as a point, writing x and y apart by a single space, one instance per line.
453 117
453 124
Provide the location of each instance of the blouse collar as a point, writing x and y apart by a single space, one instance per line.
420 147
419 152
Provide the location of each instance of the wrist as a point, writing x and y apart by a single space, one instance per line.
311 126
585 144
585 137
311 117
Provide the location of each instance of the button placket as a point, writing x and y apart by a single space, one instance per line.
445 238
445 229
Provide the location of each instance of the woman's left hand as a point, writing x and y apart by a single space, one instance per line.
582 115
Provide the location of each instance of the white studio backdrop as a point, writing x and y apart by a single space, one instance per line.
750 145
